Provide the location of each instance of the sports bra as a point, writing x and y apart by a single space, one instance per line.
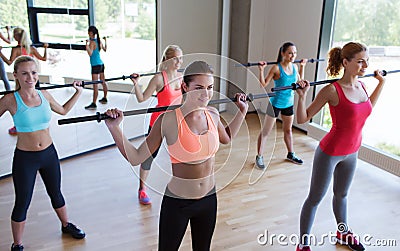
31 119
191 147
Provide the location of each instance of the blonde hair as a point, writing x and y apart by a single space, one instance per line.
337 54
22 37
19 60
168 53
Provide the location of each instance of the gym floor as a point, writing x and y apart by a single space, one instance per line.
100 189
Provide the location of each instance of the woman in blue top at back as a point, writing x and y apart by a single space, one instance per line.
284 73
93 48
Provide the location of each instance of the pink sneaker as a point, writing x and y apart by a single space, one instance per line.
144 199
12 131
305 248
348 239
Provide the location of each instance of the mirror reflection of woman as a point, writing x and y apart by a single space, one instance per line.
24 48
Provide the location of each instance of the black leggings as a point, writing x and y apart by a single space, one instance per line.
175 215
24 169
146 165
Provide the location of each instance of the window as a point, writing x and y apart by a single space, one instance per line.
376 24
129 25
69 4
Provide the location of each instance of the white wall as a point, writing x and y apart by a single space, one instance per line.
193 25
197 27
274 22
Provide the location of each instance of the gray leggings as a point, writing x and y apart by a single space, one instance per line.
3 75
324 166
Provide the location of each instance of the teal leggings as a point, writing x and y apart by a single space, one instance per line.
342 168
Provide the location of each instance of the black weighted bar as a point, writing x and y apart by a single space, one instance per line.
54 86
295 86
311 60
123 77
11 27
16 46
102 116
81 41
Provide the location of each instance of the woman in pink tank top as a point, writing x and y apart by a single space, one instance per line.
24 48
336 156
167 85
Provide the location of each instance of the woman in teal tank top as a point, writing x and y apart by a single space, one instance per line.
35 152
93 48
284 74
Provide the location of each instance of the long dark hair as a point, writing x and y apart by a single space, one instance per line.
194 69
283 48
95 31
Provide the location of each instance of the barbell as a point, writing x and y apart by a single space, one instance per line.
295 86
102 116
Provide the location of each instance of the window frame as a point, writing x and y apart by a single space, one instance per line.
33 22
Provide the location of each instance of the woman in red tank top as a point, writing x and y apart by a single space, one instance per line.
167 85
25 48
336 156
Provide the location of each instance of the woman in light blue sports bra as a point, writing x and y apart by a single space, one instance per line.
284 73
31 111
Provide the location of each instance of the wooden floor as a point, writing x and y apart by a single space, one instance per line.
101 194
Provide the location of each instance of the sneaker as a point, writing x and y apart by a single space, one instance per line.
293 158
103 101
16 247
260 162
144 199
92 106
305 248
73 231
12 131
348 239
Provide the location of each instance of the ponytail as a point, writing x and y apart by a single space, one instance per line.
337 54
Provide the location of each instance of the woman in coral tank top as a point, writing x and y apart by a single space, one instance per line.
192 134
